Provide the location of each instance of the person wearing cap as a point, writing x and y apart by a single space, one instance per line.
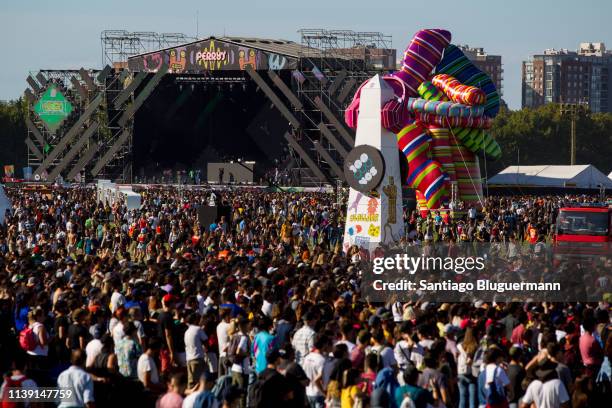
167 331
546 391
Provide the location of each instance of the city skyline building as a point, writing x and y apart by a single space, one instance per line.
565 76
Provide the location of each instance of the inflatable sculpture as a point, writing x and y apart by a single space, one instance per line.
442 109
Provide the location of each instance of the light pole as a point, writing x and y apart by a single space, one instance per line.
573 110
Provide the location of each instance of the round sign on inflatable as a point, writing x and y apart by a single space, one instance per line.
364 168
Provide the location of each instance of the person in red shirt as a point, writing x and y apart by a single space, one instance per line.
590 349
519 331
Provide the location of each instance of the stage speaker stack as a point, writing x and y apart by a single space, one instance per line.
208 214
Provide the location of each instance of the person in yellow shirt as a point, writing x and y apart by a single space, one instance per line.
351 389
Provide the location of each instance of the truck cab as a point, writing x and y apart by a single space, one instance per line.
583 231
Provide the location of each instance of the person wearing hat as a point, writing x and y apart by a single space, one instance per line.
547 390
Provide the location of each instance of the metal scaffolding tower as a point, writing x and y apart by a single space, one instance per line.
333 63
118 45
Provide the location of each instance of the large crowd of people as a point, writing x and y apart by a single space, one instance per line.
263 308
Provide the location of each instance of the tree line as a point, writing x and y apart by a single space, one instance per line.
526 136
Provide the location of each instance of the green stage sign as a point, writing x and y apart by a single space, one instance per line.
53 108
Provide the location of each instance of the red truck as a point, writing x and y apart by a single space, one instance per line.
583 231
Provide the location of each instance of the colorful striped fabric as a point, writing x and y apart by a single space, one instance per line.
421 203
478 141
424 174
482 122
421 56
428 91
467 169
441 151
450 109
455 63
458 92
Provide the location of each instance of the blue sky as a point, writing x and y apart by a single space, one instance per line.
37 34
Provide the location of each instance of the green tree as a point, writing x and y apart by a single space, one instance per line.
542 136
12 134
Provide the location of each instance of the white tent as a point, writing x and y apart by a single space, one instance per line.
5 204
579 176
610 175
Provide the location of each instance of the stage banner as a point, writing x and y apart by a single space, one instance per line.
211 55
53 108
9 171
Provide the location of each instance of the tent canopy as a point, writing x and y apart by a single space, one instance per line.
579 176
5 204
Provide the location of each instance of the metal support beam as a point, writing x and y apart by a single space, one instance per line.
73 150
334 121
88 80
304 156
332 139
80 88
125 94
285 90
110 152
275 99
41 79
329 160
32 82
337 82
32 128
33 148
86 158
101 78
70 134
346 90
142 96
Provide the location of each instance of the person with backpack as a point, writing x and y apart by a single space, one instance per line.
270 389
410 392
466 378
34 340
18 380
493 382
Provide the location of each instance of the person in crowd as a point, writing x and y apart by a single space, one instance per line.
266 307
78 381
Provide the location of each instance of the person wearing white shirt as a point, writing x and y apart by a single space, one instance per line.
92 350
223 338
547 391
78 381
195 338
117 298
313 365
303 339
146 367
